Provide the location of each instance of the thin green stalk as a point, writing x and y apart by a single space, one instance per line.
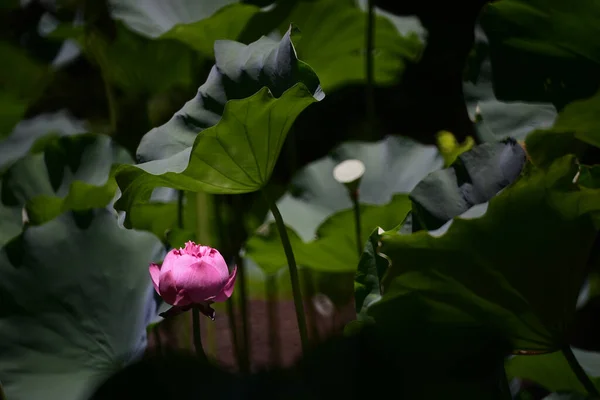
273 320
226 243
197 334
239 261
289 254
370 44
203 236
357 227
580 373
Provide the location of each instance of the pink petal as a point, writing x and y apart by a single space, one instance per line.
206 279
154 275
227 290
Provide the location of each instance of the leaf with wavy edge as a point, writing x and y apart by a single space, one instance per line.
520 266
235 156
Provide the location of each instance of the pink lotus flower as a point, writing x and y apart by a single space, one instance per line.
193 277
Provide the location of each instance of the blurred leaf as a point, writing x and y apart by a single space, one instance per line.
393 165
576 127
450 148
155 17
552 371
34 131
22 80
494 119
133 63
336 50
476 176
76 297
69 173
334 249
540 50
227 23
489 268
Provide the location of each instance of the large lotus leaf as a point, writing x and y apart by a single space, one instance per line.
227 23
21 82
166 63
334 44
494 119
490 267
71 173
540 50
155 17
239 72
393 165
476 177
334 250
552 370
235 156
576 128
76 299
27 132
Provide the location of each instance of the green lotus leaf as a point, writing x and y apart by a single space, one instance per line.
153 18
489 268
235 156
333 44
552 370
575 130
540 50
239 72
227 23
66 173
334 250
75 301
477 176
22 81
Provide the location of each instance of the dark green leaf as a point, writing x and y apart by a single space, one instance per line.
576 128
155 17
541 49
227 23
71 173
552 371
32 133
491 268
370 271
75 302
333 43
494 119
22 80
476 177
239 72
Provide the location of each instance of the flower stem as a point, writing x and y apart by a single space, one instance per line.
580 373
239 261
289 254
369 67
273 320
357 227
197 334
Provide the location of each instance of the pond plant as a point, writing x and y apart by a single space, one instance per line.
434 168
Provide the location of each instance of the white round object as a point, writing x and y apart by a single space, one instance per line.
349 171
